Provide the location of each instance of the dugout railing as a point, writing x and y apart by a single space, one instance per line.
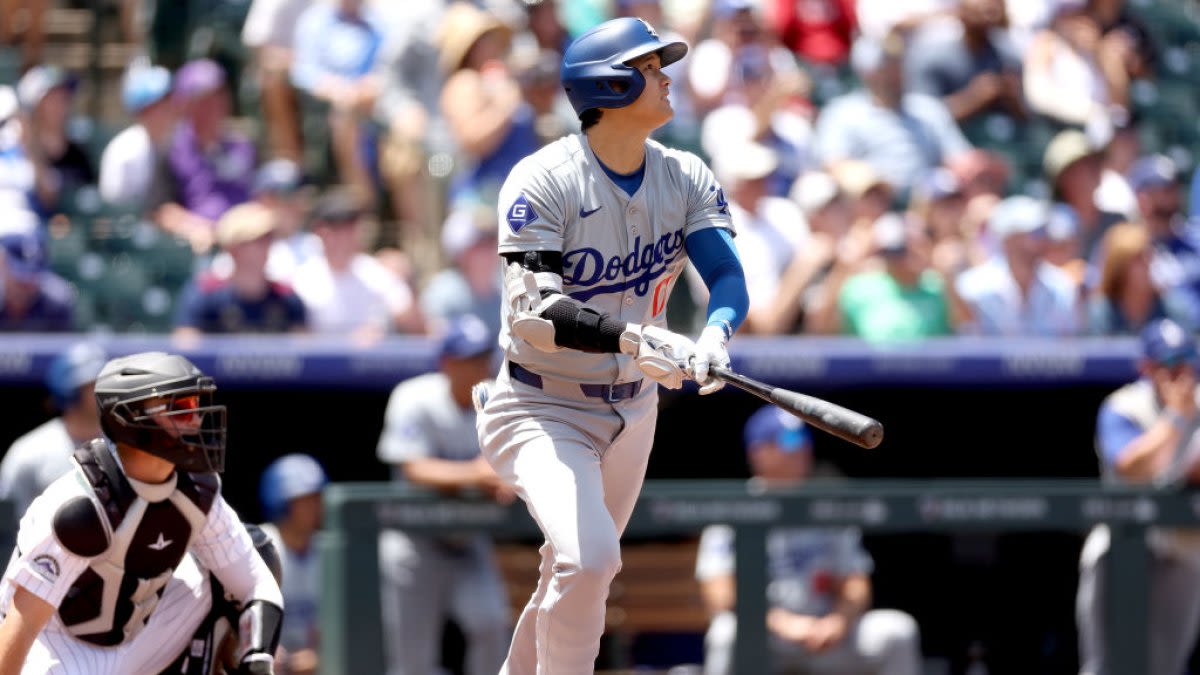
351 630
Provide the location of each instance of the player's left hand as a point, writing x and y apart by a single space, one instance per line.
257 663
710 351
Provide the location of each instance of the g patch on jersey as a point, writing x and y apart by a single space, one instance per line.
47 566
520 214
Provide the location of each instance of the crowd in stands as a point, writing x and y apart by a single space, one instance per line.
895 170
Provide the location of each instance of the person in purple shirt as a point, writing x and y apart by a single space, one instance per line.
213 166
246 301
35 300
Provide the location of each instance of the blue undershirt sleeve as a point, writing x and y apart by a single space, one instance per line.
712 251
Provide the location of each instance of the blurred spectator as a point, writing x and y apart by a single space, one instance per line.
471 285
1018 293
290 493
347 291
1124 35
429 440
35 300
740 48
60 166
537 73
1146 433
410 85
133 167
490 123
336 47
246 301
966 62
828 218
542 24
877 19
39 457
1063 248
33 34
819 618
819 32
1175 262
1072 167
904 300
1125 299
902 135
1122 148
939 205
213 166
767 110
868 194
1070 75
771 230
270 30
980 172
279 186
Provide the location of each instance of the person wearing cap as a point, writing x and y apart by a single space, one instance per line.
471 284
489 121
60 166
335 51
1017 292
819 615
347 291
212 165
246 301
740 52
902 134
133 166
32 298
429 441
905 298
1146 433
771 230
1073 167
868 194
40 456
289 492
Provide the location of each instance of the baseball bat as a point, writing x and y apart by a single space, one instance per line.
831 418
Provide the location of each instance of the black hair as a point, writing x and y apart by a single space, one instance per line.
588 118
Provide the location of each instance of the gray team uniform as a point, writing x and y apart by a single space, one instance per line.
427 578
571 431
803 565
34 461
1174 565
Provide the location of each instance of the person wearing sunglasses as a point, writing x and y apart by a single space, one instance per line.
125 564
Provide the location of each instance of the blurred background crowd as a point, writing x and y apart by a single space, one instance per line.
896 170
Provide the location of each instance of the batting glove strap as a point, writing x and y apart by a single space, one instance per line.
258 633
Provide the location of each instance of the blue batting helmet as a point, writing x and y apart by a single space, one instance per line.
594 71
71 370
287 478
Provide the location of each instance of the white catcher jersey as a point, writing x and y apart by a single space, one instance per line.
621 254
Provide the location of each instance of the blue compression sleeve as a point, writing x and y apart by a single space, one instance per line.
711 250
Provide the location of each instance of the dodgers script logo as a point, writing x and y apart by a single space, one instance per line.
587 268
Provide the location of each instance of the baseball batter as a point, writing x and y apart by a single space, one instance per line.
111 573
595 230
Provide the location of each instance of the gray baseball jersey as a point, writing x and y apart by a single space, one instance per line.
621 254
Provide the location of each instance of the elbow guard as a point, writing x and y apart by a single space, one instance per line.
550 321
258 630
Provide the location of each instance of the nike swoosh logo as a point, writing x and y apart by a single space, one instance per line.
585 214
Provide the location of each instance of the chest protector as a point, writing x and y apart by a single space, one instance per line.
135 545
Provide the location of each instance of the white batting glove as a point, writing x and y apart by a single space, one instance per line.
710 351
659 353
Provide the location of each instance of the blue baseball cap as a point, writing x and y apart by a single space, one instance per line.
80 364
143 87
1166 343
291 476
24 254
466 337
1152 171
772 424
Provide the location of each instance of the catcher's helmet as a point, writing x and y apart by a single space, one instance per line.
596 61
161 403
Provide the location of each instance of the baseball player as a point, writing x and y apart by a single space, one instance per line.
429 439
595 230
43 454
819 586
290 492
111 573
1146 432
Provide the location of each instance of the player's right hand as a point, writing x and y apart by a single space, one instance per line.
660 354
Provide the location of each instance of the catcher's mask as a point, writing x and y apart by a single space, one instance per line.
162 404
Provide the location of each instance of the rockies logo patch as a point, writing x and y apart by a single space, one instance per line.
520 214
47 566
